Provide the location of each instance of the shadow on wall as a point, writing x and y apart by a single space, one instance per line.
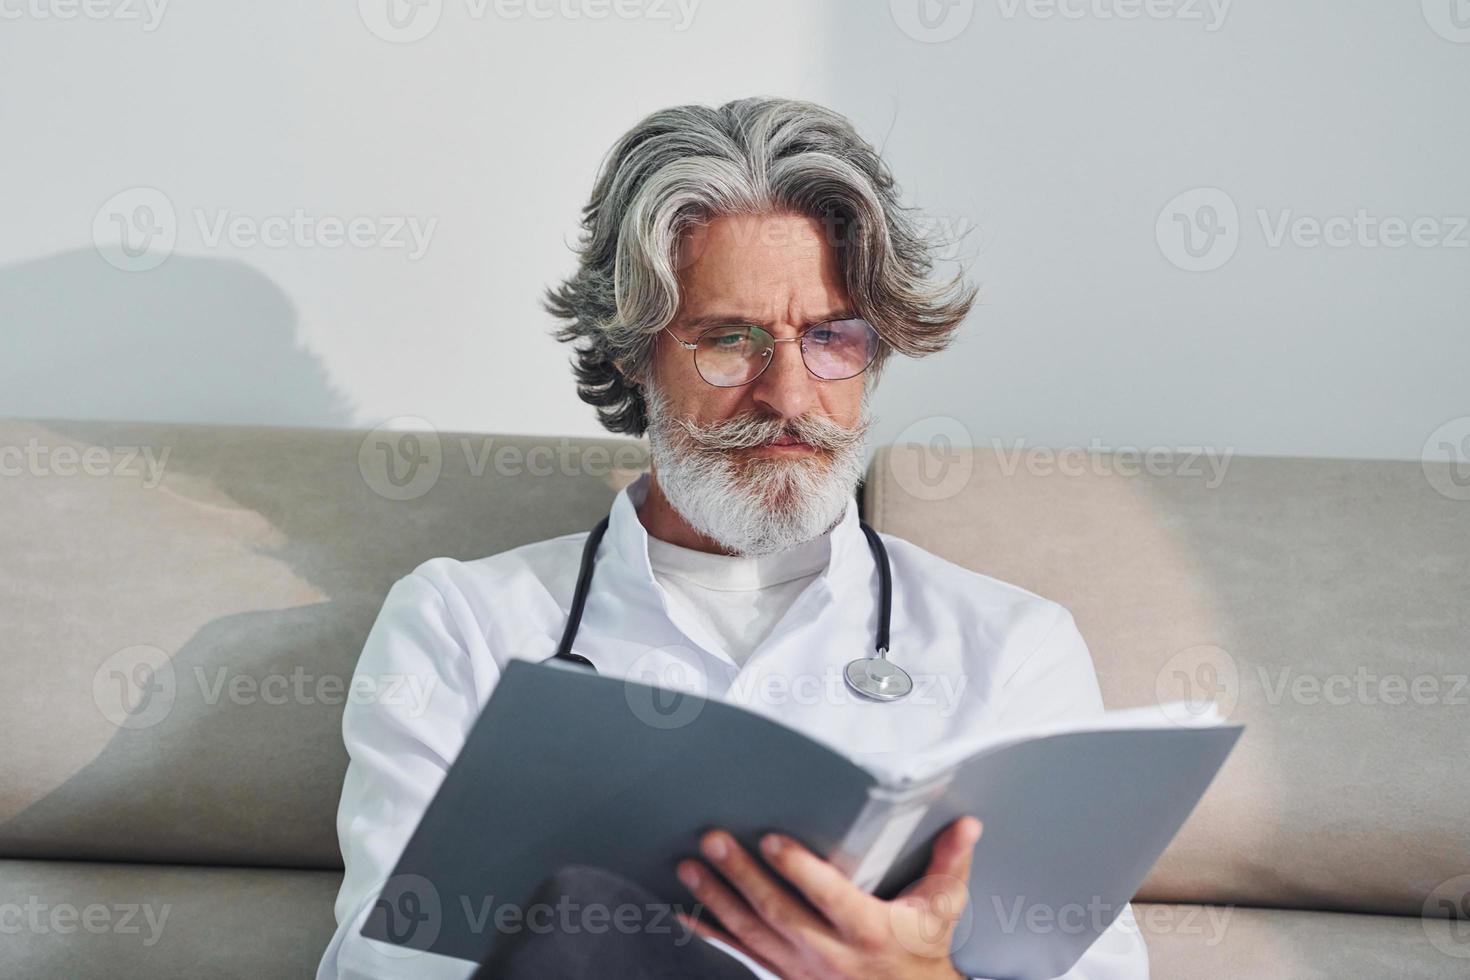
193 340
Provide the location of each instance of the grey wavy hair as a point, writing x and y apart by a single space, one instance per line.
687 164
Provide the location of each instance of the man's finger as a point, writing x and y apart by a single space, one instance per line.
955 849
762 893
732 912
850 909
949 864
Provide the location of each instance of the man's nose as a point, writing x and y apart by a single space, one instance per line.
786 387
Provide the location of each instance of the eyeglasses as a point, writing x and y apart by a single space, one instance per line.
731 355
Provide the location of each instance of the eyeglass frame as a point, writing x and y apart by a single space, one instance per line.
694 347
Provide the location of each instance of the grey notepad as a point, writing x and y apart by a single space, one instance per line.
566 767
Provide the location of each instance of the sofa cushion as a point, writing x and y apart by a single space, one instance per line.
86 921
1193 942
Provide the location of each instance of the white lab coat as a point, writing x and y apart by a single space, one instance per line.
984 655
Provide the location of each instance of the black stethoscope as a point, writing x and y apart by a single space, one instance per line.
875 678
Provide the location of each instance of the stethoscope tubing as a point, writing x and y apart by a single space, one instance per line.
885 609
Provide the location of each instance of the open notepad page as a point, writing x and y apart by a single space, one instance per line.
901 770
1075 815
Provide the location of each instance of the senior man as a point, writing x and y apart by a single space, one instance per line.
743 275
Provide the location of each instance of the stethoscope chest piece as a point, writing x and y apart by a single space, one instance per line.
877 679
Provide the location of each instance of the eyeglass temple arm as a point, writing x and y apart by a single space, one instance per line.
684 344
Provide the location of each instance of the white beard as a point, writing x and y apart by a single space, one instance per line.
755 506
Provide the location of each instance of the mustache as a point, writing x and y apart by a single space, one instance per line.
755 429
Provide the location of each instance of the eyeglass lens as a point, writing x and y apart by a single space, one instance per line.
836 350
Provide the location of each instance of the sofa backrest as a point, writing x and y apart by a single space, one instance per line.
183 607
232 573
1324 603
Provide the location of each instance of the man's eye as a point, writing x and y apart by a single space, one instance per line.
729 339
823 335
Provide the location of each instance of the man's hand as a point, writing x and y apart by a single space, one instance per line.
851 933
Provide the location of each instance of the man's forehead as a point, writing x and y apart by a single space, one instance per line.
755 245
761 281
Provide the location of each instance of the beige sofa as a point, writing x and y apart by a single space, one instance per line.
178 633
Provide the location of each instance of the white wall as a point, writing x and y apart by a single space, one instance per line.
1057 141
